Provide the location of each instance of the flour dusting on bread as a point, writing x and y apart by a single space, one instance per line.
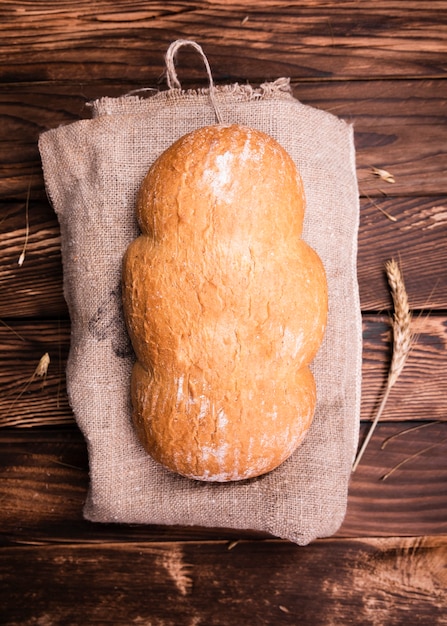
226 306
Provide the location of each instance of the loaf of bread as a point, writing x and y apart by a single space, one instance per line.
226 306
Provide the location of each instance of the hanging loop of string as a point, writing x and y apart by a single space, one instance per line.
171 74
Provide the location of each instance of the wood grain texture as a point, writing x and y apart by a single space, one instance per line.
386 498
399 125
419 394
35 288
121 40
44 481
420 389
27 399
413 240
199 583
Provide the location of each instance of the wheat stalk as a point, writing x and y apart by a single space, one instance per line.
402 336
41 371
402 339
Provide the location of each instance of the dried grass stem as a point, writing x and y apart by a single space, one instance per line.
402 338
410 458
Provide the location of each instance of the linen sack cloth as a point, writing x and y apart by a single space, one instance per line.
93 169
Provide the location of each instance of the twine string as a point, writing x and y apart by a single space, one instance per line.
171 74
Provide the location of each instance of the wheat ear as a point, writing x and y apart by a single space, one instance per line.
402 339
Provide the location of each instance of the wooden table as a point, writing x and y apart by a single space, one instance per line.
380 65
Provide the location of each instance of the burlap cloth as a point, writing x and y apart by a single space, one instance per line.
93 169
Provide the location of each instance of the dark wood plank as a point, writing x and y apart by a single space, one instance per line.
419 394
44 480
365 582
385 499
399 125
127 41
35 288
414 240
421 390
27 398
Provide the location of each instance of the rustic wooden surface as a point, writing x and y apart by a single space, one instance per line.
380 65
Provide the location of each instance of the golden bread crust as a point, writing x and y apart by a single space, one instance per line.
226 306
